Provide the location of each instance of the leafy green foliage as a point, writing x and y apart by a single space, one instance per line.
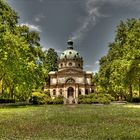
42 98
95 98
51 60
38 98
56 100
24 66
7 15
119 73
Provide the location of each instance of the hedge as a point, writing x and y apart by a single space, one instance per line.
7 101
39 98
95 99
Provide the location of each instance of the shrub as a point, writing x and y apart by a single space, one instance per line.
85 101
58 101
49 101
38 98
81 96
132 99
135 100
47 93
91 96
128 98
109 97
95 98
60 97
104 100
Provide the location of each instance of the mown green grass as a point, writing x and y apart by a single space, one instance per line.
95 122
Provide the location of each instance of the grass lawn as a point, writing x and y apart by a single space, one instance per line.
96 122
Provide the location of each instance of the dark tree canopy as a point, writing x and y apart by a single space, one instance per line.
51 60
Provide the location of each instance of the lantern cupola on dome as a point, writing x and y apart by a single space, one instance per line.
70 44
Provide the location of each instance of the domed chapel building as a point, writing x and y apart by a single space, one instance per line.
70 80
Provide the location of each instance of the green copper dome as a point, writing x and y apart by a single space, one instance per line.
70 53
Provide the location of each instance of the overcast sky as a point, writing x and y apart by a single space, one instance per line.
90 24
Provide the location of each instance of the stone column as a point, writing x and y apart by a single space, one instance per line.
76 97
57 91
76 93
65 92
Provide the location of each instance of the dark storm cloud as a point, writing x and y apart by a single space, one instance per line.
90 23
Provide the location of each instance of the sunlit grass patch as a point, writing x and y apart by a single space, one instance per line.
132 105
70 122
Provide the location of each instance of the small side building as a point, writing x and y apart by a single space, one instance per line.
70 80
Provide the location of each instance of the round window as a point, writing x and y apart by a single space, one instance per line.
70 64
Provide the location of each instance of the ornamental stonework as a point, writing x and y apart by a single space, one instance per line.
70 80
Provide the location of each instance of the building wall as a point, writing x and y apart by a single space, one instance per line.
70 63
58 83
53 81
62 80
88 81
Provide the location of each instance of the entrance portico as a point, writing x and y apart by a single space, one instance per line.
70 95
70 92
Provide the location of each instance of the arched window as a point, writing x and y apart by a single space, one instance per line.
70 80
61 65
86 92
70 64
61 91
54 92
79 92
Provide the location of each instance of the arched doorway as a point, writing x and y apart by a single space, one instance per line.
70 95
70 92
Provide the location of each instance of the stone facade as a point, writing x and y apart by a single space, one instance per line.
70 80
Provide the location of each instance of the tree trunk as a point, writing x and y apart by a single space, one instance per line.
130 91
12 92
139 87
2 88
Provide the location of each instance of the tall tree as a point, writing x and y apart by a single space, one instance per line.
51 60
120 68
22 60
